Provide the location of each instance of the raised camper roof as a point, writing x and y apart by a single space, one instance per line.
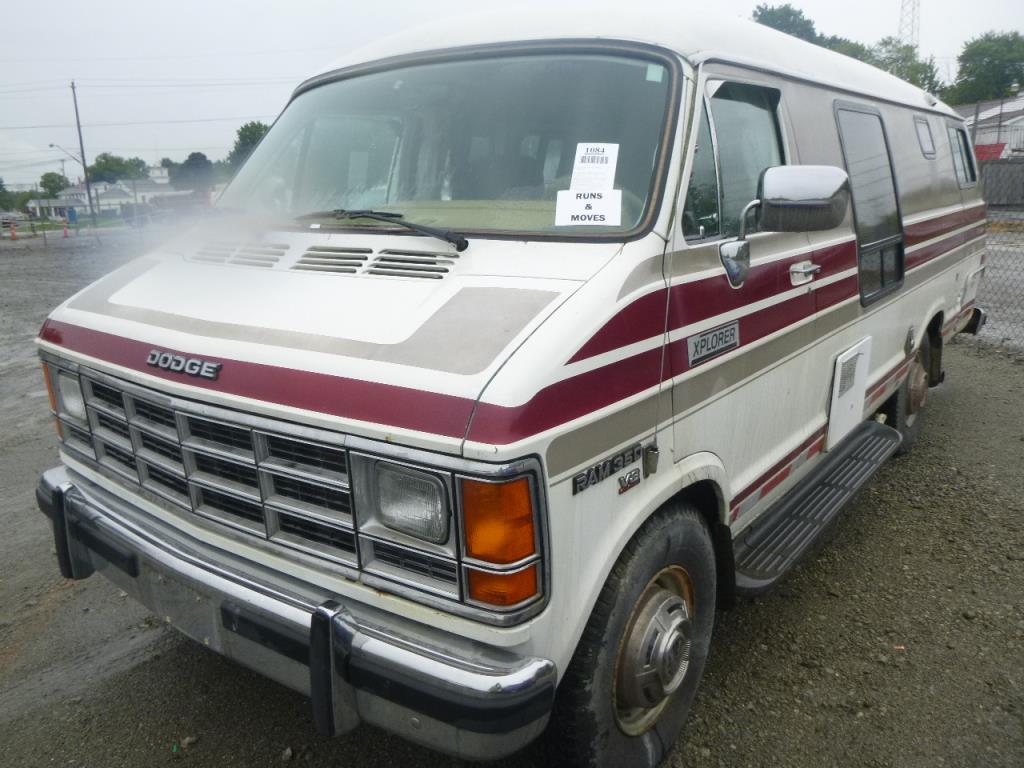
688 28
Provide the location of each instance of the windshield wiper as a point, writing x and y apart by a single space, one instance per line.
459 241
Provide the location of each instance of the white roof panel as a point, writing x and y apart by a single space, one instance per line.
689 28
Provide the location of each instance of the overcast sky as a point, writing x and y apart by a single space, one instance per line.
240 61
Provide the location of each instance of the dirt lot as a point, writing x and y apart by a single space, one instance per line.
900 644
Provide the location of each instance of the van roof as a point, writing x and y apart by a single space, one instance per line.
684 26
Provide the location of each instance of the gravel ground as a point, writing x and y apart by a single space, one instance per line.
900 643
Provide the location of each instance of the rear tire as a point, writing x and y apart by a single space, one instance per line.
627 692
905 409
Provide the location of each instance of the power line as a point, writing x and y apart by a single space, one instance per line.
217 55
136 122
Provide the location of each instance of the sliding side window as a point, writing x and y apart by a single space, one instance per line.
963 158
875 202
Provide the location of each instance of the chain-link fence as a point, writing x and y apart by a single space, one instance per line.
1002 290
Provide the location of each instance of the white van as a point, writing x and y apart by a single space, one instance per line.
522 343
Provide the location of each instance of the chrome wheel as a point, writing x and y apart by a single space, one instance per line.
917 383
655 652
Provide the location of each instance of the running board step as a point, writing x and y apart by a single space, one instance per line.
772 545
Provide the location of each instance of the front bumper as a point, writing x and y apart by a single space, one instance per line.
448 693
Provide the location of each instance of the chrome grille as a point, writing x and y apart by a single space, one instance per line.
291 491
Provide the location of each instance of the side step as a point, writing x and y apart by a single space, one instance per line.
772 545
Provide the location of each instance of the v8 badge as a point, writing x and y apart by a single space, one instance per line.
629 481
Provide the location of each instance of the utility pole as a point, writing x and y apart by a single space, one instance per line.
81 148
910 22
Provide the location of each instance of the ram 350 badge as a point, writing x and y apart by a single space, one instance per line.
613 465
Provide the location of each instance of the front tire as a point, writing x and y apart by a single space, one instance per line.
627 692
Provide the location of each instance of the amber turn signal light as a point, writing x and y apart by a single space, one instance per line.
53 399
498 519
502 589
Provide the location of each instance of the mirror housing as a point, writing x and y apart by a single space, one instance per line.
735 257
803 198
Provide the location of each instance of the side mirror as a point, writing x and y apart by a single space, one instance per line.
803 198
735 257
791 198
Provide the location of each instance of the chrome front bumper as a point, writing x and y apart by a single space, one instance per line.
447 693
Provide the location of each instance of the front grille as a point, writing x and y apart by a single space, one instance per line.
311 495
220 435
298 455
406 560
238 474
296 529
288 489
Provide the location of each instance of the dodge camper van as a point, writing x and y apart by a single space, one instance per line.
518 347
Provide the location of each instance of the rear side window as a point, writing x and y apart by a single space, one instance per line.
746 127
963 157
925 138
875 202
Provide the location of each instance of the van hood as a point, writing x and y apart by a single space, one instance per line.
391 337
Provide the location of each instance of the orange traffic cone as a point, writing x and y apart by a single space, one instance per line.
65 229
14 231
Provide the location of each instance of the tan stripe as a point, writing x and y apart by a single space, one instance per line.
464 336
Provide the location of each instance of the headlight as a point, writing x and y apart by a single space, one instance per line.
412 502
69 396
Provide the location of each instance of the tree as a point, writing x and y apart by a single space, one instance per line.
848 47
196 173
786 18
246 139
901 59
6 197
111 168
889 54
52 183
990 65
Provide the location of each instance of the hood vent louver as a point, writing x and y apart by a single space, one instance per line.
244 254
422 264
326 258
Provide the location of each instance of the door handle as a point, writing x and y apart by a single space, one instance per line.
805 268
804 272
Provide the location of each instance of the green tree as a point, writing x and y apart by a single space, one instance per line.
111 168
848 47
196 173
246 139
900 59
52 183
788 19
6 197
990 65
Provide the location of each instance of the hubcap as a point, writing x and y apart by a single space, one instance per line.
655 653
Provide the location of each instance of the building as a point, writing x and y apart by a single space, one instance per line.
999 122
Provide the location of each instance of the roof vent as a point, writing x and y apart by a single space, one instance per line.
422 264
243 254
326 258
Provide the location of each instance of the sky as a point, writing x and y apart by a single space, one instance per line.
183 76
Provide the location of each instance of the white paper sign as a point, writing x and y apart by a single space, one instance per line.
595 166
597 208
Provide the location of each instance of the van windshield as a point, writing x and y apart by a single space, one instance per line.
562 144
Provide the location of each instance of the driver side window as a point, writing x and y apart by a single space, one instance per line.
744 127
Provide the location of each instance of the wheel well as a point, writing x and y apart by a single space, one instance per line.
707 498
934 341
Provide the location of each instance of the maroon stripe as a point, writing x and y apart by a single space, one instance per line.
778 467
567 400
940 225
385 404
702 299
933 251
